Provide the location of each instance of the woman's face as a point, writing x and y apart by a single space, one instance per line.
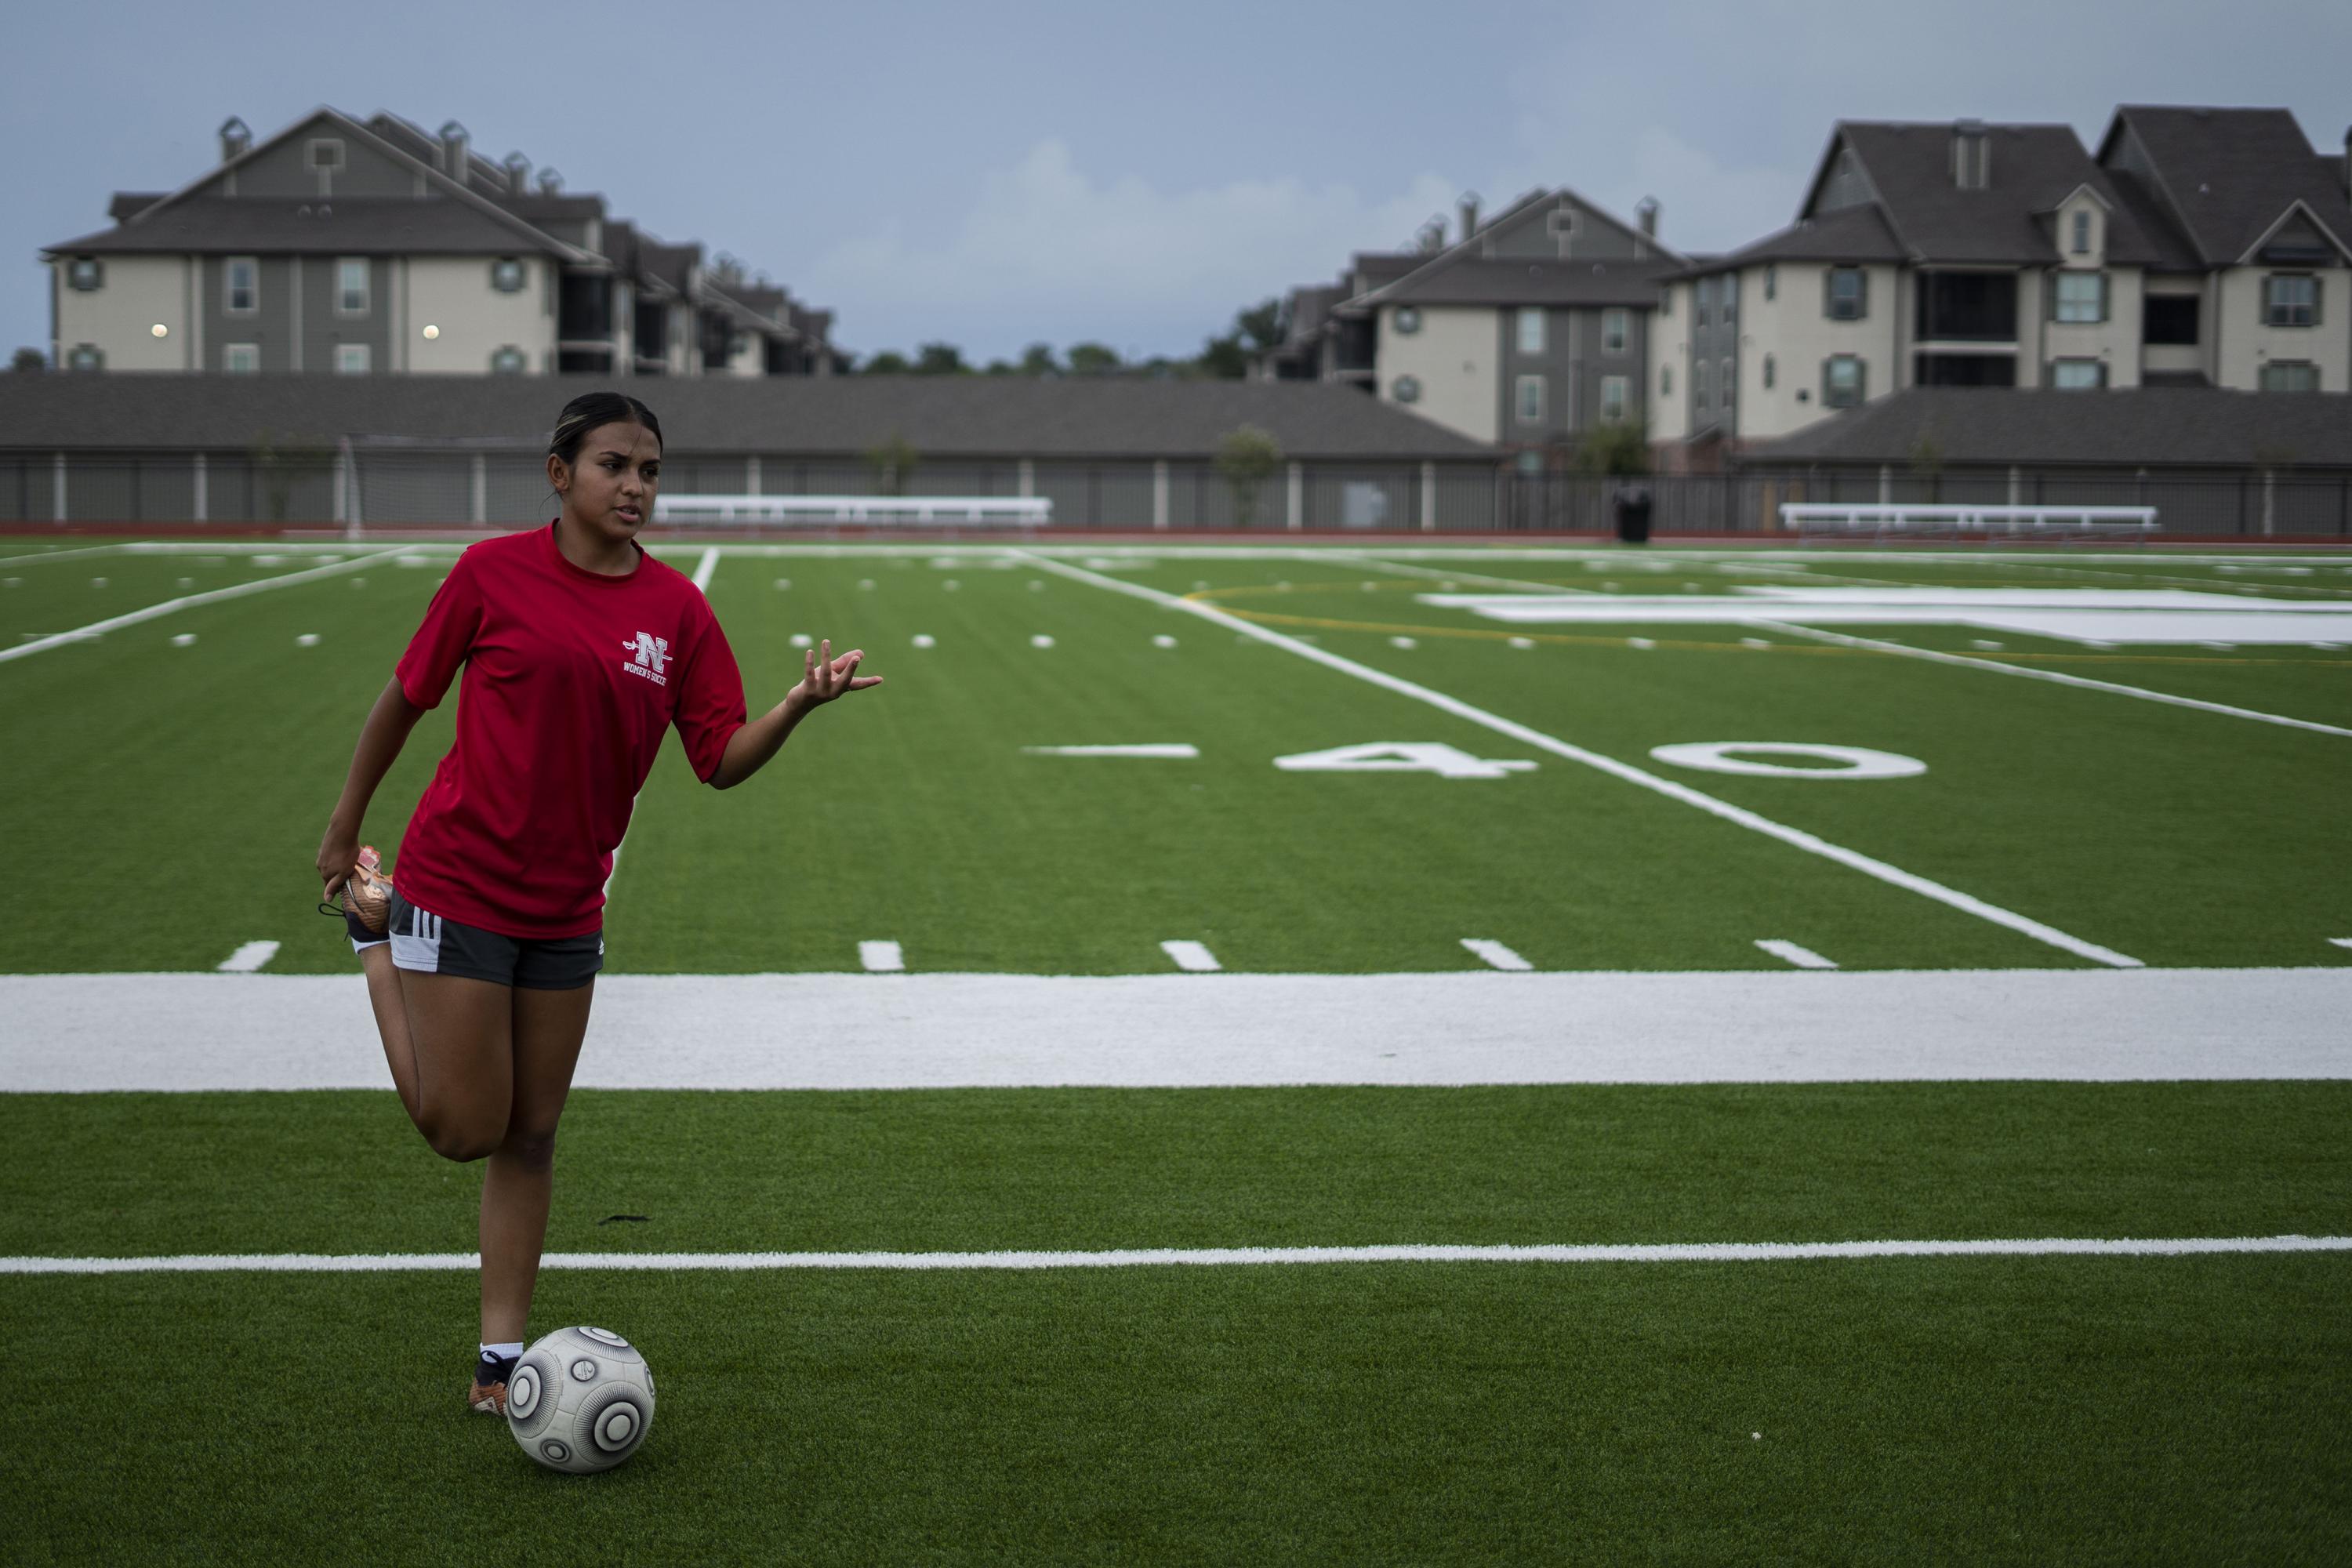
611 481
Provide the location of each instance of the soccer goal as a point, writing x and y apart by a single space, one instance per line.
1880 523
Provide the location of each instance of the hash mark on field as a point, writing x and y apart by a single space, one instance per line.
248 958
1192 957
2341 941
1174 748
258 586
1496 954
1803 957
882 958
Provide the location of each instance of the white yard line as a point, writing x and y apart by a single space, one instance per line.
79 1032
1447 574
1200 1256
1192 957
1495 954
60 554
261 585
705 567
2056 678
1172 750
881 958
248 958
1790 952
1812 844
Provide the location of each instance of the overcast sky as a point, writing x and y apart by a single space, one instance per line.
991 175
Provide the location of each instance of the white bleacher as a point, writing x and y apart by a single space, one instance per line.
1813 520
1017 512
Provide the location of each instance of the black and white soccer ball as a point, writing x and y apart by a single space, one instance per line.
580 1400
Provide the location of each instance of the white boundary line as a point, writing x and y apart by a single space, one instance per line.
262 585
1739 815
1441 574
1204 1257
705 567
60 554
2057 677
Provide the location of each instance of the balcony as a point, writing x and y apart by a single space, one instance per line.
1967 308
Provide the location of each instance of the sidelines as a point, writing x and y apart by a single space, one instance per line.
60 554
1201 1256
99 628
852 1030
1812 844
2059 678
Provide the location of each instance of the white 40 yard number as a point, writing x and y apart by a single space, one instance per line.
1402 757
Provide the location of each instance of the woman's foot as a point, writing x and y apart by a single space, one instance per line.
488 1395
366 898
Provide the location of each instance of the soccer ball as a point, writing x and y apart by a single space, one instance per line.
580 1400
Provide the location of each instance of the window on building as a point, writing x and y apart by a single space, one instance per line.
2291 299
1727 379
1768 373
1615 328
241 285
85 274
1408 320
1531 399
352 286
240 359
1613 394
2082 245
506 275
2169 319
1666 300
2290 376
1700 391
1844 381
1665 381
1531 329
1847 290
85 356
1728 289
1405 389
2080 297
2077 374
1704 292
325 154
509 361
351 359
1771 282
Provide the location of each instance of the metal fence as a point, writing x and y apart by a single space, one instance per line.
435 485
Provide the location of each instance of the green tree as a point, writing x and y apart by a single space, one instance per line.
1246 457
1093 359
1038 359
939 359
29 362
1619 450
1262 324
889 362
1224 358
893 463
1000 367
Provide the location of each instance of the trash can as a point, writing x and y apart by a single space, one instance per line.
1632 514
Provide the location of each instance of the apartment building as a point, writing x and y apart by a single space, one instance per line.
379 249
1530 330
2197 250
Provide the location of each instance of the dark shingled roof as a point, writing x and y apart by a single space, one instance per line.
2133 428
1514 282
1849 234
2228 174
348 224
2033 168
942 416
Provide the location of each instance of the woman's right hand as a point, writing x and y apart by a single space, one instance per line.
339 853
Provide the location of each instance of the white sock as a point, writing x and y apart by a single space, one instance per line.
505 1350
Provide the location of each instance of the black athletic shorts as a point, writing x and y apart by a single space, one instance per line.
427 944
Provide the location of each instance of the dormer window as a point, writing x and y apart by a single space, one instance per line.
2081 244
1971 155
323 156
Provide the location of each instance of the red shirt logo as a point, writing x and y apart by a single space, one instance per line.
648 656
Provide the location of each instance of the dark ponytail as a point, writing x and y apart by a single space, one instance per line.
592 411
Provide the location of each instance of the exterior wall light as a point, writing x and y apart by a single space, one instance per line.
159 329
431 333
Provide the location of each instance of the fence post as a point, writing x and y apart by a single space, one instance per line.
481 487
750 475
1028 478
1297 498
1160 494
200 476
57 512
1429 498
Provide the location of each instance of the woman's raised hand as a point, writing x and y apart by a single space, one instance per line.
824 677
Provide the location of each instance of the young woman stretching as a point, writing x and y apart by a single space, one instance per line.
579 650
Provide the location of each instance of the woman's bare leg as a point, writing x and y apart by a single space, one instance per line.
548 1026
461 1032
392 1021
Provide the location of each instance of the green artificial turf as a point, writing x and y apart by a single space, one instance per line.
1981 1410
140 1174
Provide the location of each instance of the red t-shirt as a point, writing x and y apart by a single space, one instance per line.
570 680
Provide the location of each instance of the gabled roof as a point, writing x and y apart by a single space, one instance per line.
2032 169
1516 282
2132 427
2228 176
482 176
1853 234
522 236
353 226
1105 419
126 203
